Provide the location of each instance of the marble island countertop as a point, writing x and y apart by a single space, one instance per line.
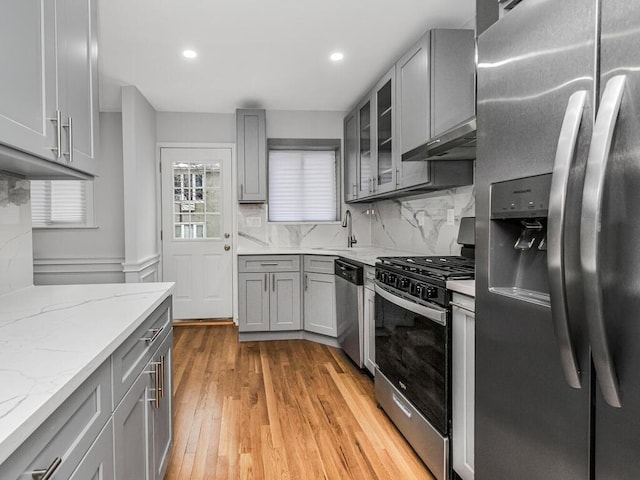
365 254
53 337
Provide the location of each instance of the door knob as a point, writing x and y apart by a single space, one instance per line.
226 235
227 248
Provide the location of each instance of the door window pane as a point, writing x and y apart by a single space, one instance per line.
196 200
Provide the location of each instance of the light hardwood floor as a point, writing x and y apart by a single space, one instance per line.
278 410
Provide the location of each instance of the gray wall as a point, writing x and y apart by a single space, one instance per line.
139 141
221 128
90 255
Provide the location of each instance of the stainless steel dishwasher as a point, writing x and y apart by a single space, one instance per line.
349 308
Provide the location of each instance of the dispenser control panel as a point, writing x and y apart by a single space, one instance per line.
521 198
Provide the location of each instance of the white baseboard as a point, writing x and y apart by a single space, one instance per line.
289 335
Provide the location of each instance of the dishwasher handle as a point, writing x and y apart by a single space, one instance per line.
351 272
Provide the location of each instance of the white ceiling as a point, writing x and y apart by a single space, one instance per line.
271 54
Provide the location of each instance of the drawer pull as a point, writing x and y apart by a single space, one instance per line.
48 473
269 264
402 406
155 333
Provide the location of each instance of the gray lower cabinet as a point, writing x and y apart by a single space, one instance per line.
142 421
369 321
463 385
132 431
251 141
253 302
91 437
64 438
269 301
269 293
98 464
320 303
162 435
284 302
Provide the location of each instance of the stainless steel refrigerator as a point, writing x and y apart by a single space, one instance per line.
558 243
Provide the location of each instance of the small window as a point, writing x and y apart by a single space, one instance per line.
61 203
303 180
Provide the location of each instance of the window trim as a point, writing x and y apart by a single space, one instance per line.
89 222
311 144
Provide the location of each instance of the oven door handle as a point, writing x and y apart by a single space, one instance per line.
434 314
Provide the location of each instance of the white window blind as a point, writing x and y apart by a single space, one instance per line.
60 203
302 186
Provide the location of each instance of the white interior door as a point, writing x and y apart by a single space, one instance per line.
196 230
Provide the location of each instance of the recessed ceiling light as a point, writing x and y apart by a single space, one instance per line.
189 54
336 56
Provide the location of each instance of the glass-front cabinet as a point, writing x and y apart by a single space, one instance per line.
385 177
366 151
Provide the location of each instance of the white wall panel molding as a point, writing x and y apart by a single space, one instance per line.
146 270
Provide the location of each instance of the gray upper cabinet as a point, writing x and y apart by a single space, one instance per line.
27 85
350 159
414 109
251 140
50 79
435 91
453 87
385 125
429 90
78 81
365 155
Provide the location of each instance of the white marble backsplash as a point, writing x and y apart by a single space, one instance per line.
420 223
16 255
254 230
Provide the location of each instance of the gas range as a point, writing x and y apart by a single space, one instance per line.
423 279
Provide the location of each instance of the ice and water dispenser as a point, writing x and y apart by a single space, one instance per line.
518 239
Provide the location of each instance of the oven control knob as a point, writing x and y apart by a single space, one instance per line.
430 292
391 279
378 274
405 283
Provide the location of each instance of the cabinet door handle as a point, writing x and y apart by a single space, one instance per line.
266 281
355 191
48 473
273 282
70 139
306 281
241 191
162 377
156 383
58 121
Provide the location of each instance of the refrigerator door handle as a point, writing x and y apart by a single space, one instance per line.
590 225
555 235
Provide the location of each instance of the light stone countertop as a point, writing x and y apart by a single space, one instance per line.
52 338
466 287
367 255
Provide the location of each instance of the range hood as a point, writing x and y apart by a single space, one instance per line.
457 143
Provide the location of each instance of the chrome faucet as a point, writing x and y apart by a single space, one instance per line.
347 223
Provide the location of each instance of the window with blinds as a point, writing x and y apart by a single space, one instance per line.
61 203
303 185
